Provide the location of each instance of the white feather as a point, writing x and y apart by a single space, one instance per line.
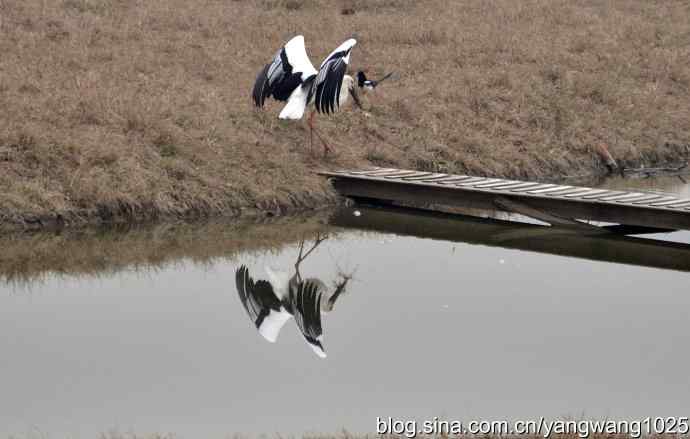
298 58
294 109
320 352
346 45
272 324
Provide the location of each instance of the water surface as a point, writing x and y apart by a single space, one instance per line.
143 331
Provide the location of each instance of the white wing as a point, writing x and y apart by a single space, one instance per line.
262 305
298 58
282 76
272 324
345 47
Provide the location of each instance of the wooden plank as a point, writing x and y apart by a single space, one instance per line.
671 200
381 172
531 188
644 199
402 174
513 185
620 197
549 190
471 181
418 177
599 196
578 193
429 178
594 193
495 185
365 171
487 181
525 187
680 204
648 202
453 179
543 187
434 179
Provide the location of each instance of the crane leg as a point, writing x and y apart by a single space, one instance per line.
310 121
312 131
302 255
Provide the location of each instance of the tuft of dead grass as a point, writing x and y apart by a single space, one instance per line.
121 111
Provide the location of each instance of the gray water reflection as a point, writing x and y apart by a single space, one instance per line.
144 331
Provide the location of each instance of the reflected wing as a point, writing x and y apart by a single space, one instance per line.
306 307
261 303
326 87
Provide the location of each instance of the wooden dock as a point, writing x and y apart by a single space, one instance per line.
561 205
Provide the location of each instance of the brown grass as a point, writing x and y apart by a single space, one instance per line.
121 110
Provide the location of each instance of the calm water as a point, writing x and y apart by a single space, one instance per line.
145 332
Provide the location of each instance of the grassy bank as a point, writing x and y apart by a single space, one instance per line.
120 109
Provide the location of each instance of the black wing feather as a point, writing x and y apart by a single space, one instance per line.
276 79
326 88
306 304
261 89
258 297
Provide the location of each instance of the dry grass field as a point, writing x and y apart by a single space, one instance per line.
123 109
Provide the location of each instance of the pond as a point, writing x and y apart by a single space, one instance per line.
143 330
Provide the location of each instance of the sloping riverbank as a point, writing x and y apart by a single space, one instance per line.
127 112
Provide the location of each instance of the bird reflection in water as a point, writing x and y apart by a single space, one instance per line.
272 302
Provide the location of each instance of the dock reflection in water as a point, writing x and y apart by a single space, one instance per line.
605 247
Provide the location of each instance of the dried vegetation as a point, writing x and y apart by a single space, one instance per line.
123 109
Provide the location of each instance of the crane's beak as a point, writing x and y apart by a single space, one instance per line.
355 97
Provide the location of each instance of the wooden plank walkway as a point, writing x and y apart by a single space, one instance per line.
562 205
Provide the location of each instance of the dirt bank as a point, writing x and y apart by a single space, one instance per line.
121 110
